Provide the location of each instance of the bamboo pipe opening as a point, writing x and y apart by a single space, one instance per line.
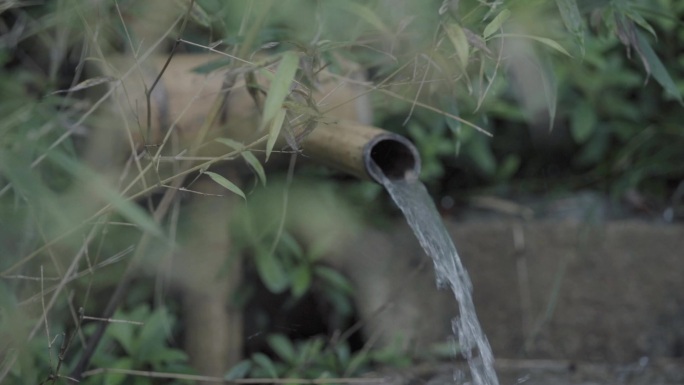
391 156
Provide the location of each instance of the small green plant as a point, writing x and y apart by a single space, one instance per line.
314 358
137 341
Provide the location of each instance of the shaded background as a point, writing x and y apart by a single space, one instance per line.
567 114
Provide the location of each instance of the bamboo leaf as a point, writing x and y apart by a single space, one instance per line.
225 183
496 23
572 19
234 144
255 165
550 88
460 42
274 132
247 156
657 68
280 87
364 13
551 43
546 41
637 18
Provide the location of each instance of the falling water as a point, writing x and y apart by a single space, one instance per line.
420 212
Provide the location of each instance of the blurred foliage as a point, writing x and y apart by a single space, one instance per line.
314 358
139 341
517 96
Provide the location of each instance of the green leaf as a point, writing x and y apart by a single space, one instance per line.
594 151
448 104
247 156
118 378
283 347
572 19
280 87
363 12
583 122
255 165
152 336
274 132
546 41
168 356
333 277
657 68
291 245
481 154
551 43
225 183
459 41
311 349
637 18
240 370
123 333
234 144
211 66
496 23
508 167
550 88
265 363
357 363
343 353
271 271
301 280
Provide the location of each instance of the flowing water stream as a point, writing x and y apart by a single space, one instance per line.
420 212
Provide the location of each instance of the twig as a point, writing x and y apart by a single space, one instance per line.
420 88
379 88
47 327
148 92
194 377
122 287
30 278
63 282
111 320
113 259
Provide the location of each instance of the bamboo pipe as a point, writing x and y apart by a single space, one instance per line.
363 151
343 140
